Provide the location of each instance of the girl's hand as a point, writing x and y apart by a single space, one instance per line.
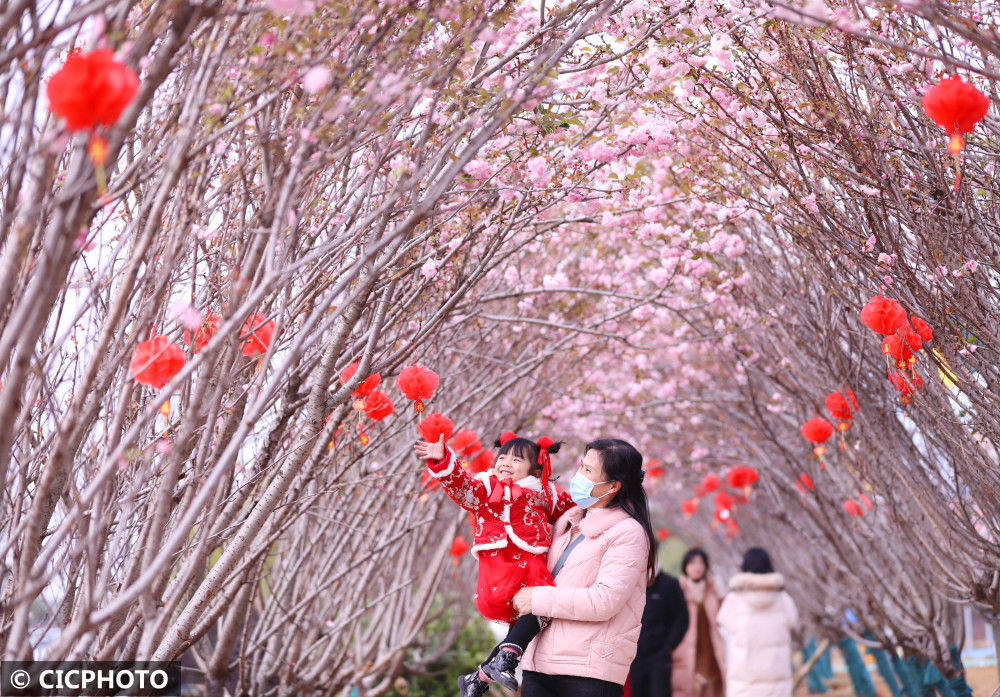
430 451
522 601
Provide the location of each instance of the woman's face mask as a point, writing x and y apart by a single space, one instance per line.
580 489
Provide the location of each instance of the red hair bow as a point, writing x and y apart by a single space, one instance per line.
544 443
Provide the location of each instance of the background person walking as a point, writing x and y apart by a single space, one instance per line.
664 624
699 661
759 615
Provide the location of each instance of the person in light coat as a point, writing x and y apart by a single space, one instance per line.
758 615
699 662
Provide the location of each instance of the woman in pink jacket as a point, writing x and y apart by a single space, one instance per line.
602 556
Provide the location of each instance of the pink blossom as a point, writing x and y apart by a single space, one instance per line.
185 314
972 265
430 268
478 169
292 7
735 247
539 171
316 79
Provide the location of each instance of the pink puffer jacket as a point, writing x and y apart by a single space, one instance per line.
597 602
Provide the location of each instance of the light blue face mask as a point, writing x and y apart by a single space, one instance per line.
580 488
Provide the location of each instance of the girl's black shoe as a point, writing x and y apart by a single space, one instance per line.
500 667
471 686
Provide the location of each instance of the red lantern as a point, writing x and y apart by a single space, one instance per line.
689 506
740 477
156 361
710 483
723 501
459 546
482 462
91 89
852 508
466 443
418 384
203 334
923 329
429 482
256 334
902 345
906 387
837 404
367 385
956 106
817 430
662 534
436 425
883 316
654 470
378 406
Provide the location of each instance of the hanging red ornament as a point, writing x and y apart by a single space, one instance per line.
723 501
156 361
91 89
429 482
418 383
956 106
256 335
654 470
741 477
202 335
710 483
852 508
436 425
883 315
459 546
367 385
689 507
838 407
817 430
807 481
482 462
378 406
662 534
902 345
466 443
923 329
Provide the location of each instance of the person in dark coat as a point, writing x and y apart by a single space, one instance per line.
664 624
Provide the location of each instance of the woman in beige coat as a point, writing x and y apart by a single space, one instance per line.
759 616
699 662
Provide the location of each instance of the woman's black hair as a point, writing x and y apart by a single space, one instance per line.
623 463
691 554
757 561
522 447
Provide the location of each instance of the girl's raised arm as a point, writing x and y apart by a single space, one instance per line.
461 488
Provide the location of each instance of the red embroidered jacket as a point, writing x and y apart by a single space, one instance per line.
503 510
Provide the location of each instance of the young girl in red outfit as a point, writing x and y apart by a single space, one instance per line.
514 505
